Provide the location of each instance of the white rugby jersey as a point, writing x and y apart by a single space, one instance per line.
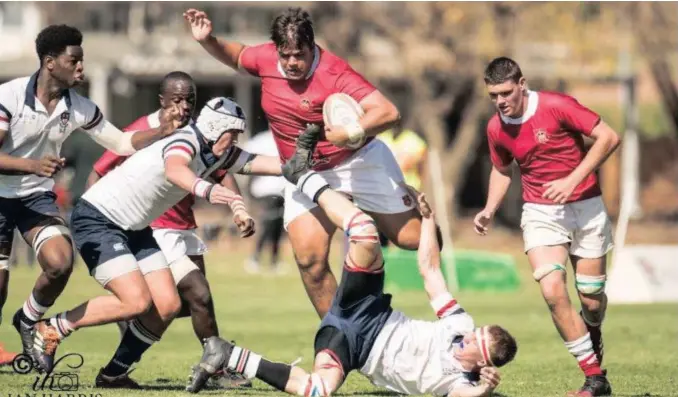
136 192
415 357
33 134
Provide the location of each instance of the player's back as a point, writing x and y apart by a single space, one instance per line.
415 357
137 192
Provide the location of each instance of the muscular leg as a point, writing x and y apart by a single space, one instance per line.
197 302
548 264
5 252
590 276
147 328
310 236
402 229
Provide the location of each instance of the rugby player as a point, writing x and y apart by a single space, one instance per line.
563 214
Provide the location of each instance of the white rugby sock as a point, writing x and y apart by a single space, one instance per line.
62 325
33 310
582 350
244 362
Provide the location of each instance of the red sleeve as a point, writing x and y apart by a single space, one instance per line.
353 84
499 155
251 57
574 116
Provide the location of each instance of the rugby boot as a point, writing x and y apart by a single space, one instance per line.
26 329
594 386
215 357
116 382
45 342
302 159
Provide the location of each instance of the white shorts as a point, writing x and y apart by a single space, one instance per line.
371 177
177 243
177 246
582 224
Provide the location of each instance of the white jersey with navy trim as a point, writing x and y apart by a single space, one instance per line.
136 192
415 357
32 133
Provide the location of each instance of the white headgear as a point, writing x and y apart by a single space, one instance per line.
219 115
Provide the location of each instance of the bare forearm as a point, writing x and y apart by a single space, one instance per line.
602 148
500 181
262 165
230 183
379 120
15 164
226 52
141 139
182 177
428 259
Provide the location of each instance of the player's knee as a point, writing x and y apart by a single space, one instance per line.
200 297
57 264
136 303
168 307
590 285
312 264
313 386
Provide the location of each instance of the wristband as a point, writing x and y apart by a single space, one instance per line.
202 188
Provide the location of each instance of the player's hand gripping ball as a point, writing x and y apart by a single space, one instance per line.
341 115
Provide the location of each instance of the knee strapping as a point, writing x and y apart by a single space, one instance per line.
360 228
313 386
544 270
47 233
4 262
590 285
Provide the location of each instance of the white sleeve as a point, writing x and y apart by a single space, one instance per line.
91 115
7 106
184 145
109 136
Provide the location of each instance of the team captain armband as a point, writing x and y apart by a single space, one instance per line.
445 305
182 147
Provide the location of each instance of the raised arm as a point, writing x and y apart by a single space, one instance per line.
227 52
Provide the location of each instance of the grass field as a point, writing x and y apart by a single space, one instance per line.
272 316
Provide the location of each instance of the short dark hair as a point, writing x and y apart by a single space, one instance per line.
504 346
53 40
501 70
293 28
174 76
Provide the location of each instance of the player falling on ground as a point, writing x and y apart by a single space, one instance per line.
563 214
362 332
296 76
111 229
176 231
37 114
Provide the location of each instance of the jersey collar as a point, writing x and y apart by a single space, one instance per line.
314 65
532 102
32 89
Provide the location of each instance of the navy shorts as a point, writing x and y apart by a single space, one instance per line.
358 313
99 240
26 213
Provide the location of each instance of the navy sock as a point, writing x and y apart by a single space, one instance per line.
135 342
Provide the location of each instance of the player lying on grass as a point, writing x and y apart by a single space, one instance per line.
447 357
111 229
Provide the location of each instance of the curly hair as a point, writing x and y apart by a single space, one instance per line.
293 28
53 40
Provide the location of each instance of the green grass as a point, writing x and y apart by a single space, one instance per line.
272 316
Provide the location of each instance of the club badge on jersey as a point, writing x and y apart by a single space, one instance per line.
63 122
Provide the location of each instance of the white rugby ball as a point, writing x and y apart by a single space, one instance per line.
341 110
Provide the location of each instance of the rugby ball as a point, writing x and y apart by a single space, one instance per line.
341 110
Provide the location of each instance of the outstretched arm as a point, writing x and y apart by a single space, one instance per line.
227 52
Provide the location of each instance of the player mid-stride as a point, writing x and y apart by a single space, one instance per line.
563 214
447 357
